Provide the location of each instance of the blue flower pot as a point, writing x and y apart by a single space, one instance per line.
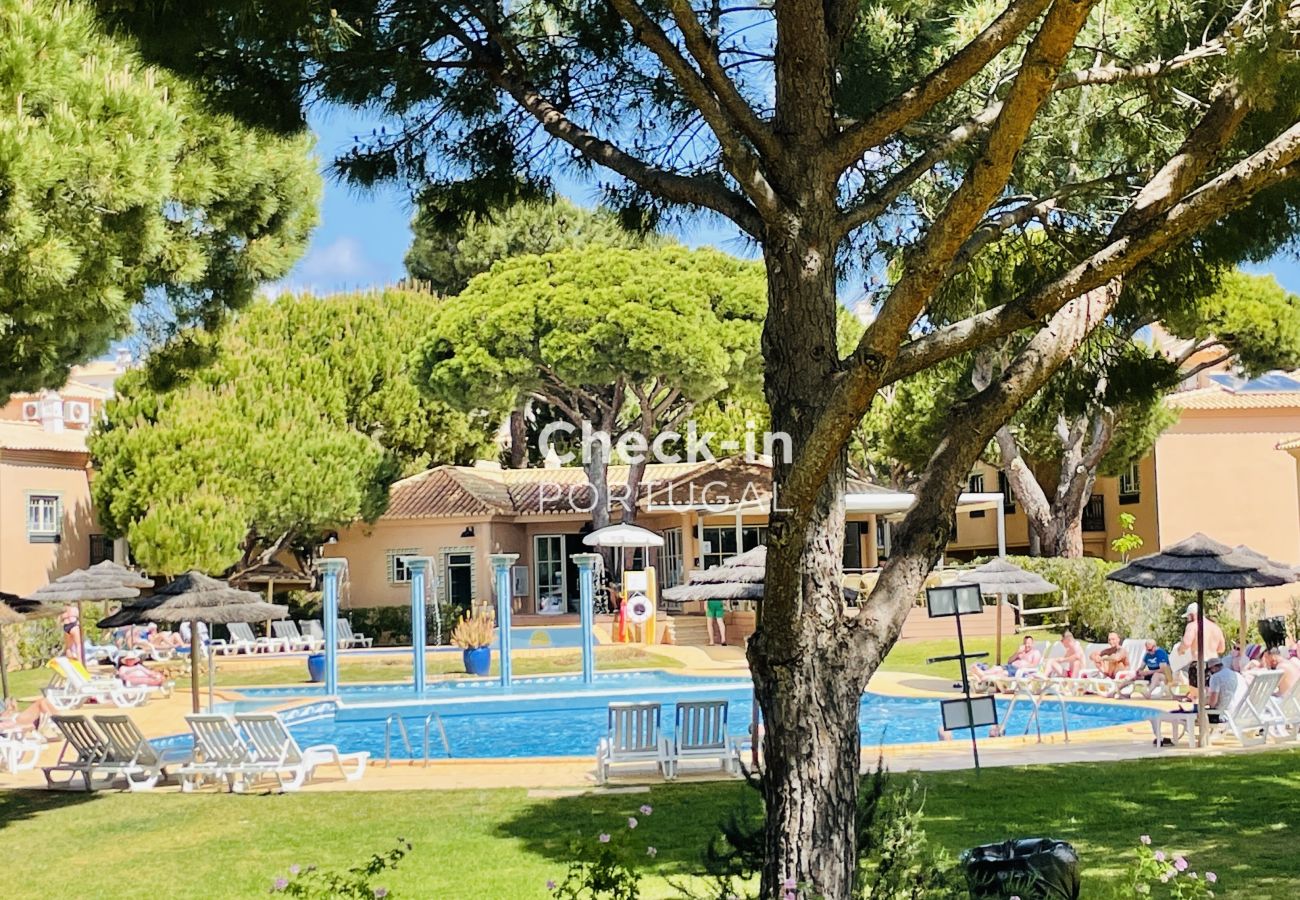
316 667
478 661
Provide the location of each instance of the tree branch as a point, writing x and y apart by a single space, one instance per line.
912 104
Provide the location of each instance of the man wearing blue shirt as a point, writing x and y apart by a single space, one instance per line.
1155 664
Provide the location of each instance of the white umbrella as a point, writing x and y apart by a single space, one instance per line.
623 536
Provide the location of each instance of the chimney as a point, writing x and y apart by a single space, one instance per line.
51 411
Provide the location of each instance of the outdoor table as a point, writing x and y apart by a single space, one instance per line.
1180 726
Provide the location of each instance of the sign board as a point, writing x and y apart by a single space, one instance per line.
519 581
953 600
976 712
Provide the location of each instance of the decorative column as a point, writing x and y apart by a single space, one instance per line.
501 563
586 563
331 568
418 566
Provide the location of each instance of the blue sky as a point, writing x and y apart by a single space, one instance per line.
363 236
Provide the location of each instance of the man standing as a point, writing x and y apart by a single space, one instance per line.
1215 645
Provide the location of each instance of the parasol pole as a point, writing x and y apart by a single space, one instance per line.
4 664
270 593
211 659
194 665
1002 598
1202 720
1241 633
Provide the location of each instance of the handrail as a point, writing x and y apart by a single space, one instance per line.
429 720
406 738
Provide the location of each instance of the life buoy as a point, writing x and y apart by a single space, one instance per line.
639 609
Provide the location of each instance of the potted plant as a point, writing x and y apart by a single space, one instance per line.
473 634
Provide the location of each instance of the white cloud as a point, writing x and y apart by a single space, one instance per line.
341 264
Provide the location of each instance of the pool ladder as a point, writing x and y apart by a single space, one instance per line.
429 721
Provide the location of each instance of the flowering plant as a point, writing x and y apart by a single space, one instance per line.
355 883
602 870
1157 873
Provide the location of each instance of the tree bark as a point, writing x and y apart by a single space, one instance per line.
802 661
519 436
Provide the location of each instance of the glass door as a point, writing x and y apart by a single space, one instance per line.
548 573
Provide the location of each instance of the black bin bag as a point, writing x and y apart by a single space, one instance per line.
1028 868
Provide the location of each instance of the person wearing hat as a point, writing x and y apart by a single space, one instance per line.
1215 644
133 673
1224 690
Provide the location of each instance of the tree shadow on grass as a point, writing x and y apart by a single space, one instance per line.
684 818
20 805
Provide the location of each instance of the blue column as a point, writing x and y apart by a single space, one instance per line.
586 563
418 567
331 569
501 563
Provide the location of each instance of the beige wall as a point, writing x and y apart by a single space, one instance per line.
25 566
1220 473
978 535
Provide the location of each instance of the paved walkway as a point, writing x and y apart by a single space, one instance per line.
163 717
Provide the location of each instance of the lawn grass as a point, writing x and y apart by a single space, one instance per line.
1236 815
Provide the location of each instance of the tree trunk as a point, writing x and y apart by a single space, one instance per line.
519 436
800 656
596 467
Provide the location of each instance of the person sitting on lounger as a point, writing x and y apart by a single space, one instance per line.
1112 659
1276 659
1069 665
133 673
1026 659
1224 689
1154 661
32 719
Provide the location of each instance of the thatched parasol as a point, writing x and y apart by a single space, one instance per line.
194 598
82 587
111 571
13 611
1201 564
999 577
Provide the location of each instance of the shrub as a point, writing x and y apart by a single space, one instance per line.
1156 873
473 631
356 882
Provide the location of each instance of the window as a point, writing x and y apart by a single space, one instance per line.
852 557
1094 514
884 534
670 558
975 484
398 573
43 518
101 548
1130 484
1008 498
548 569
720 542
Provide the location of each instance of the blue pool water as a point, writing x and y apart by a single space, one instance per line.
559 716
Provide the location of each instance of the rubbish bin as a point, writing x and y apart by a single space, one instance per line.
1028 868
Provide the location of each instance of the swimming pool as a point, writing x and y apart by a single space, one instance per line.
550 716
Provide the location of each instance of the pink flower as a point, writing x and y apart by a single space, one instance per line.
550 884
1180 864
380 893
604 839
1211 877
631 822
293 869
1146 839
280 884
646 809
651 852
1160 856
790 884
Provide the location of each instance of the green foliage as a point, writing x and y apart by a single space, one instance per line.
1160 873
356 882
1252 315
895 858
603 868
1128 542
299 420
117 182
447 259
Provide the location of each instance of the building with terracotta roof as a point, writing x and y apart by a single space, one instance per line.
458 515
1216 470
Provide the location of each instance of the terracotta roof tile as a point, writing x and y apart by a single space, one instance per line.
31 436
1222 398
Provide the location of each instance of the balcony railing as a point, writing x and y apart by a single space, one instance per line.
1094 514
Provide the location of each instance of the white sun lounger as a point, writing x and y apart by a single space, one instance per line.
72 686
141 763
220 754
700 733
350 638
313 631
274 747
243 640
633 735
1250 720
1287 711
20 750
287 631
